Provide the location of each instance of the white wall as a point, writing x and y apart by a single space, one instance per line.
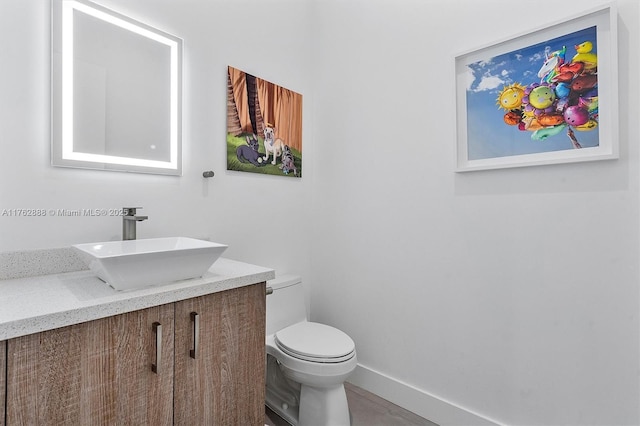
261 218
510 294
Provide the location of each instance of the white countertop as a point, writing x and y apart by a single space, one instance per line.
34 304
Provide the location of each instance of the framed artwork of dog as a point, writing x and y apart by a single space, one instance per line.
547 96
264 126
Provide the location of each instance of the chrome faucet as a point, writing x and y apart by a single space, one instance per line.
129 219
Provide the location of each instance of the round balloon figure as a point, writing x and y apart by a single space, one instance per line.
563 100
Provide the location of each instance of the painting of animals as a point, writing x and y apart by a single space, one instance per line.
264 126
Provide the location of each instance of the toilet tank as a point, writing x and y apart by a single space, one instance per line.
286 305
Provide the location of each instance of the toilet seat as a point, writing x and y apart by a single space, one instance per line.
315 342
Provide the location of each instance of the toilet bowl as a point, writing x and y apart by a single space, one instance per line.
307 362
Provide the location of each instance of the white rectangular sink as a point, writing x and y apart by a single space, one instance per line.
153 261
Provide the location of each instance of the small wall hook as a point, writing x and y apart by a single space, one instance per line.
208 174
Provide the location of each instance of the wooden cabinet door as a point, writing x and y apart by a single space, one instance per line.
94 373
224 384
3 375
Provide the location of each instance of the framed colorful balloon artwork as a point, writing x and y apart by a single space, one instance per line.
548 96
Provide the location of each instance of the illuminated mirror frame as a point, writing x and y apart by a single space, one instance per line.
63 153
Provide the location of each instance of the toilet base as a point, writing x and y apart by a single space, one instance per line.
324 406
303 405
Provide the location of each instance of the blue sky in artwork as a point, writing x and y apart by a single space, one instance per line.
488 136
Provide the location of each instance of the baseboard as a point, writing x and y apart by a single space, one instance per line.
415 400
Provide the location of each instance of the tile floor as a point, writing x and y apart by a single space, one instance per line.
367 409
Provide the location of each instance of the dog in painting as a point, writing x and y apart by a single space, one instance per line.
272 144
287 163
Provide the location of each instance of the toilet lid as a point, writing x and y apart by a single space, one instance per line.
315 342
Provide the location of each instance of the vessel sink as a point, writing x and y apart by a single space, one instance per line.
153 261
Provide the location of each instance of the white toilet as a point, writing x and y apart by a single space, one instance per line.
307 362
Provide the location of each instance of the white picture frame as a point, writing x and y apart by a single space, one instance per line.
490 79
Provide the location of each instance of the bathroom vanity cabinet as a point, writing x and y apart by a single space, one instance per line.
221 382
97 372
207 354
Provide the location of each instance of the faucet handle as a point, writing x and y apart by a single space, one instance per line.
129 211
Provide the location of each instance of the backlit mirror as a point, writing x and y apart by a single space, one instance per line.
116 91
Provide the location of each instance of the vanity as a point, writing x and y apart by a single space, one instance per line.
74 351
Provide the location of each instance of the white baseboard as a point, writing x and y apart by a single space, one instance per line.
415 400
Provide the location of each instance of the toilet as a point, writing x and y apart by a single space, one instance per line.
307 362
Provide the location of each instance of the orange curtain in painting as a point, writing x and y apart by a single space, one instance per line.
280 107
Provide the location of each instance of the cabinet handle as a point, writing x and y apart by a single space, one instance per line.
157 329
195 319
